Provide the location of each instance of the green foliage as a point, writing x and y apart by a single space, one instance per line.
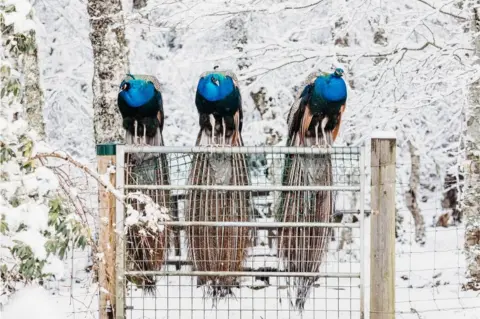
22 43
15 201
11 86
26 147
6 153
8 9
65 231
3 226
16 44
29 266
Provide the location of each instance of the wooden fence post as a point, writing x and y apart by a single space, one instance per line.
106 239
382 218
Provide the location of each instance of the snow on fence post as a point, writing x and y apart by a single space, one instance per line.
106 239
382 218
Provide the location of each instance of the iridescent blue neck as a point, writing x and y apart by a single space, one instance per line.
212 92
139 93
332 88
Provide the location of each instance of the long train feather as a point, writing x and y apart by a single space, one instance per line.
146 249
218 248
303 248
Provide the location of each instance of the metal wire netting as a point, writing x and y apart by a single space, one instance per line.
430 279
255 278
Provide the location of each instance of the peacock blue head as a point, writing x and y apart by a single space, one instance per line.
136 92
332 87
215 86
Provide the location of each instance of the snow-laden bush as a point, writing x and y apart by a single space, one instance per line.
42 217
38 226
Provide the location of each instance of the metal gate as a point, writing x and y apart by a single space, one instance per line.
264 285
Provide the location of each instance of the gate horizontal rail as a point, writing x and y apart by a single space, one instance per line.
245 187
245 274
239 149
259 224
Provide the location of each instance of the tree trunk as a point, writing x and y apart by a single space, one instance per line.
33 98
110 53
411 195
471 199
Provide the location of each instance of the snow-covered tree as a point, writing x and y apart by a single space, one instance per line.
471 200
110 54
37 225
26 54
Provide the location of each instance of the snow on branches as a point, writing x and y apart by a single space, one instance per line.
37 226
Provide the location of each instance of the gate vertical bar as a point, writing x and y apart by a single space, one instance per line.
362 231
120 243
382 232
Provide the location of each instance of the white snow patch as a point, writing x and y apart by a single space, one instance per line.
33 215
387 135
30 184
35 241
19 18
47 181
55 267
34 302
41 147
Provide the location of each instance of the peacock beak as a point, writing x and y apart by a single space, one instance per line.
215 81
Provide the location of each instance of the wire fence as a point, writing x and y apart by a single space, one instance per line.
220 263
430 278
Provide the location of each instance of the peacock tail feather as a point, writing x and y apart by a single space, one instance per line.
146 249
302 249
218 248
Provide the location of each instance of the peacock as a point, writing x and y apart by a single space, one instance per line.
313 121
219 105
321 105
141 106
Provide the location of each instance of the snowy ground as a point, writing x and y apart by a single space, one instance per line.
428 284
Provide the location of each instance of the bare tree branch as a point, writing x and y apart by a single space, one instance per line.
442 11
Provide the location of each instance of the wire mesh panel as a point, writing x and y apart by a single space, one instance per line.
232 238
